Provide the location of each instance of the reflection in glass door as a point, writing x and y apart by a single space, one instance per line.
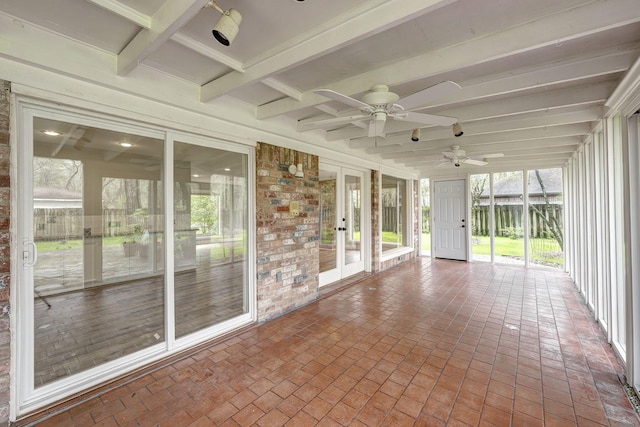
210 236
328 229
341 221
351 221
95 202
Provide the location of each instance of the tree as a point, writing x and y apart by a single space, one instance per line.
478 185
204 212
551 221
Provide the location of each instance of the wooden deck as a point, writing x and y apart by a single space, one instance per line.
85 328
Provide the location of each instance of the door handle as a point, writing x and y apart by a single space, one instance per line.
26 252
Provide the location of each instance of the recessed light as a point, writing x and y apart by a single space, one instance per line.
126 144
195 175
51 132
227 169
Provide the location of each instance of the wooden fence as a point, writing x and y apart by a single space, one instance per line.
51 224
509 219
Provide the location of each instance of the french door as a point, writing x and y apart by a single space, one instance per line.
341 223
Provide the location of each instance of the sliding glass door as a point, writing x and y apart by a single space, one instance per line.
135 244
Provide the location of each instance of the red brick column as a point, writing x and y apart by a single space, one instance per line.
5 254
375 221
287 245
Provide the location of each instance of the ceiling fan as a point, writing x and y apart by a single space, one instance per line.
458 157
379 103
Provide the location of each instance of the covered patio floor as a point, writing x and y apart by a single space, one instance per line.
431 342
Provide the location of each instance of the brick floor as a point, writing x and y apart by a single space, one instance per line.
432 342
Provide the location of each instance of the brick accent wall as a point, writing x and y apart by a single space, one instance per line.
5 272
287 246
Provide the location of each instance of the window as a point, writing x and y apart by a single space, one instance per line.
425 215
394 217
480 217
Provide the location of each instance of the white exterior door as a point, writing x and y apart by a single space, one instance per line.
449 220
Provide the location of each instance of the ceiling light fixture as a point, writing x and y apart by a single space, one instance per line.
51 132
227 27
457 130
415 135
126 144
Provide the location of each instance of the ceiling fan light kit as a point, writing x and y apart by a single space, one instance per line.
227 27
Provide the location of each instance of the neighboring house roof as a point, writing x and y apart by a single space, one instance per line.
55 193
56 198
512 185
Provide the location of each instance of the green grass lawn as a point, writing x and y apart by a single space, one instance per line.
545 251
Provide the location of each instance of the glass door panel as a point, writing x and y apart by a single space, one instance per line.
351 222
95 192
328 220
211 231
341 249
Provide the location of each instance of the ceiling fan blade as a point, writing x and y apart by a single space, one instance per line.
448 154
336 96
440 90
427 119
439 165
335 120
488 156
474 162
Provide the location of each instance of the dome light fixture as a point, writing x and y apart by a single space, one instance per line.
227 27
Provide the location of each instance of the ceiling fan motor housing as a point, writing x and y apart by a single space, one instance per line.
379 96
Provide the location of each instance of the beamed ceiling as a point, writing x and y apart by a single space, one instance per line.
535 75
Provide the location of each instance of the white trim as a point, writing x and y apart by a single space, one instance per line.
525 216
169 237
633 250
392 253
